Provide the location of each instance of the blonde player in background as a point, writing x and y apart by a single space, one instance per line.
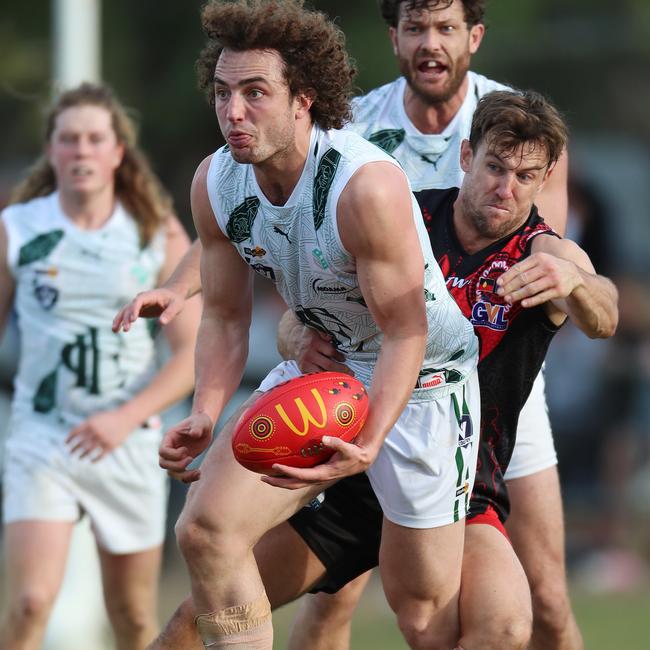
89 225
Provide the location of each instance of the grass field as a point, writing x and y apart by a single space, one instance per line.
613 622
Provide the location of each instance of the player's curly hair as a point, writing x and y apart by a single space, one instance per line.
137 187
474 9
507 119
310 44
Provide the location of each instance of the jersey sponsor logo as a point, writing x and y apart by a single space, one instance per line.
485 314
320 258
466 433
455 282
279 231
263 270
463 490
431 381
258 251
318 285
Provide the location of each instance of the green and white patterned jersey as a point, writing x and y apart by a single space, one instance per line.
69 285
431 161
298 247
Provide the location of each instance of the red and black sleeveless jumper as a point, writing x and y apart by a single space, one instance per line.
513 340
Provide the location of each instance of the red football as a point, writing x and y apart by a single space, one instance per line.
286 424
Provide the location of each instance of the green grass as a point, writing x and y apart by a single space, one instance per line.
612 622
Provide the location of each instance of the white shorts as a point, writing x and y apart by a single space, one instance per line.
424 473
534 448
124 494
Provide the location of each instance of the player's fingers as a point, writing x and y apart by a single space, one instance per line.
188 476
285 483
531 289
118 320
539 299
173 454
174 465
170 312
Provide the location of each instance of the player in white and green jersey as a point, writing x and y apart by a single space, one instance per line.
89 226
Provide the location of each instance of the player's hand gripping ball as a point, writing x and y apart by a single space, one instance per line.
287 423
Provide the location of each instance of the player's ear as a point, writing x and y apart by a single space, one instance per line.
392 33
466 155
304 101
476 33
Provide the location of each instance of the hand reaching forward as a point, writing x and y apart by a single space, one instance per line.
538 279
349 459
182 444
162 303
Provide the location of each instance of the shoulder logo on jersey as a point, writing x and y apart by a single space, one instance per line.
387 139
489 310
322 183
241 220
39 247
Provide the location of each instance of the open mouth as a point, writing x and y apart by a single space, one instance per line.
431 67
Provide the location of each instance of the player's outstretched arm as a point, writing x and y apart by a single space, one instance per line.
166 301
375 218
560 275
222 342
312 350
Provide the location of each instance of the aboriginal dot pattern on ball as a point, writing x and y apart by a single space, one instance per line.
344 413
261 427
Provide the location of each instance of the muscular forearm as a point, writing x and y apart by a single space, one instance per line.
186 278
172 383
592 306
394 379
221 353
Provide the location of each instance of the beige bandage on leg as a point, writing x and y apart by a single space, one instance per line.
242 626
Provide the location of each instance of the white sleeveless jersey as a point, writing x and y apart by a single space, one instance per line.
431 161
298 246
69 285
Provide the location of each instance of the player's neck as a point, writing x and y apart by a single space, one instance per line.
278 175
88 211
433 118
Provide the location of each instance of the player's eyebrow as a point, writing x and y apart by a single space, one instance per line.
502 160
242 82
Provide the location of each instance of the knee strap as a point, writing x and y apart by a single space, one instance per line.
246 626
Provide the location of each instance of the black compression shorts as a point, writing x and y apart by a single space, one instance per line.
344 531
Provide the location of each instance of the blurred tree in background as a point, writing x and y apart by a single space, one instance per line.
590 56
